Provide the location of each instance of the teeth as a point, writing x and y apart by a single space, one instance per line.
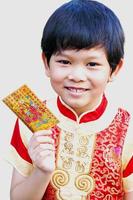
78 90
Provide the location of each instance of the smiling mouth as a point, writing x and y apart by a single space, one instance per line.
76 90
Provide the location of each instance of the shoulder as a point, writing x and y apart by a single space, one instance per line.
120 111
17 154
128 144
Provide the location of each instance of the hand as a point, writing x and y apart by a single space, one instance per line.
42 151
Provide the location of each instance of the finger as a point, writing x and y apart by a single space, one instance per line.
43 147
40 147
45 160
42 153
45 153
44 139
36 140
47 147
43 132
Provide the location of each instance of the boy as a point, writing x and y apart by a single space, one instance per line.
89 154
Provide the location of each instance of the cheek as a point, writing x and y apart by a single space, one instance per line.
57 80
101 77
57 75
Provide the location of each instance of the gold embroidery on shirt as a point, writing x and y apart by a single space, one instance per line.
80 167
107 163
73 161
84 140
68 137
82 151
60 178
68 147
84 183
67 163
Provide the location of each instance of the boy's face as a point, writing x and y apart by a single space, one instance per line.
79 77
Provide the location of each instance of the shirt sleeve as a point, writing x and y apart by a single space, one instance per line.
18 155
127 160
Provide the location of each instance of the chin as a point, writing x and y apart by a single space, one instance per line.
76 106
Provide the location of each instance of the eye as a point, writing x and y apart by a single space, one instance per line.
64 62
92 64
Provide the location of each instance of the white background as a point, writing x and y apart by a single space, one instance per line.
21 25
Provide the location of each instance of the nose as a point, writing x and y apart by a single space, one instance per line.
77 74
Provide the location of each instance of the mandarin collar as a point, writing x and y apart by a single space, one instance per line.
85 117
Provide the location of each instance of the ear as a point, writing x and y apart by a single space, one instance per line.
116 71
47 69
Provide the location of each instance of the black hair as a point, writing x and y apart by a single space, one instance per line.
84 24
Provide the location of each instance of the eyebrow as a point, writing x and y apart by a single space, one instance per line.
69 56
61 54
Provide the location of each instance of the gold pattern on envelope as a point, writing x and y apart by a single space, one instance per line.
30 109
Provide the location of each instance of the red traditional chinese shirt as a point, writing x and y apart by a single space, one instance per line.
94 153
